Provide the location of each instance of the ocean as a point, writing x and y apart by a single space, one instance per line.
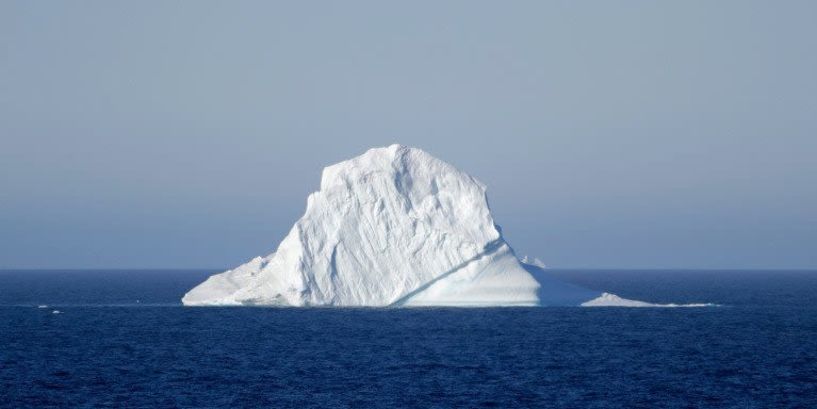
122 340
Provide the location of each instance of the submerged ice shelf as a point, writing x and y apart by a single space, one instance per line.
394 227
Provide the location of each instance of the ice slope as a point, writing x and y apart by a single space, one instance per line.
392 227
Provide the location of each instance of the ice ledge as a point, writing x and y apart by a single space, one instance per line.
612 300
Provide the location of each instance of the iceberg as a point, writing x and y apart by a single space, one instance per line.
393 227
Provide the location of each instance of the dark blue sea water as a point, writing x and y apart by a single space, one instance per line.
122 340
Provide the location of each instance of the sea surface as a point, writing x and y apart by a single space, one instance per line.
122 340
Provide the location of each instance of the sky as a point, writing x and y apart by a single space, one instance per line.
188 134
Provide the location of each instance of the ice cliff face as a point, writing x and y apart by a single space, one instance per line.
392 227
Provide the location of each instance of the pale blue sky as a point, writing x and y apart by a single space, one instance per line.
610 134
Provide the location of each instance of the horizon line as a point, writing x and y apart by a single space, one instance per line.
69 269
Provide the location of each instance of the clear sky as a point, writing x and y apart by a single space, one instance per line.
610 134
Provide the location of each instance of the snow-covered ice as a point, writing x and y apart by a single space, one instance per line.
394 226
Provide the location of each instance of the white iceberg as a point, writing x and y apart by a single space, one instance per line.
392 227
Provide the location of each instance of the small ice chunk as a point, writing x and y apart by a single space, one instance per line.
533 261
612 300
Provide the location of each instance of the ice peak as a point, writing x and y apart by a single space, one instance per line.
399 160
398 147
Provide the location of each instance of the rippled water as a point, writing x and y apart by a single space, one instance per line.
107 350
